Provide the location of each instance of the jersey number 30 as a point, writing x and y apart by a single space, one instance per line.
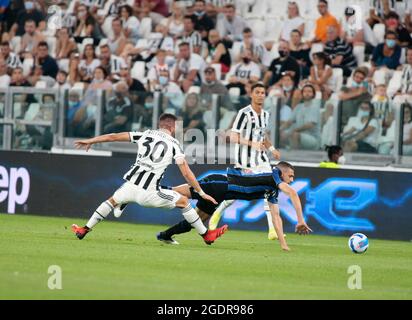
154 149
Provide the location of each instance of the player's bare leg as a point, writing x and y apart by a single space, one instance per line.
99 215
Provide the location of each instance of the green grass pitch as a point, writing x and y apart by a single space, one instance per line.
125 261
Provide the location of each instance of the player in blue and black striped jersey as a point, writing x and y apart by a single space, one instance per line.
237 185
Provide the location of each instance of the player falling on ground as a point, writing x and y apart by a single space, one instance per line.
249 134
239 186
155 152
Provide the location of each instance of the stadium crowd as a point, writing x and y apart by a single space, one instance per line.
191 49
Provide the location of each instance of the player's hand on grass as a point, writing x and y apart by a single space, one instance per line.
83 144
302 228
285 247
209 198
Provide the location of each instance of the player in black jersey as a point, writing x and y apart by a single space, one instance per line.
237 185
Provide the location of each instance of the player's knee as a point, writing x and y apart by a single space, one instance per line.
183 202
113 202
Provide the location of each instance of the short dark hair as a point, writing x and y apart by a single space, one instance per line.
247 30
128 8
191 18
183 44
361 71
331 150
324 1
258 85
167 116
296 31
5 43
43 44
284 164
393 33
392 14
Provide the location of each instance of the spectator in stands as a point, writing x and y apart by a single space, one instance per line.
134 85
118 42
45 61
12 59
355 94
74 72
212 85
218 52
361 132
191 36
192 113
203 22
118 110
85 26
254 45
64 44
188 67
164 85
286 90
29 13
4 77
294 21
285 63
100 80
324 22
154 72
18 79
378 10
111 63
73 105
339 52
382 106
393 24
406 80
175 23
303 129
130 24
158 9
357 33
30 39
387 54
321 74
230 25
300 51
244 71
335 158
61 81
88 63
4 4
407 130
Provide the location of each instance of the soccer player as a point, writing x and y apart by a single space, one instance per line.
156 150
240 186
249 134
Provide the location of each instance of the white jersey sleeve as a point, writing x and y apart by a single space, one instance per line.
178 153
135 136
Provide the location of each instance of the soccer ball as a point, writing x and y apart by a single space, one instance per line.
358 243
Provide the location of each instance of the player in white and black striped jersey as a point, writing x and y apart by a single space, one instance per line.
156 150
250 136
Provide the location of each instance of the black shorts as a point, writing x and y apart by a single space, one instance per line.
216 187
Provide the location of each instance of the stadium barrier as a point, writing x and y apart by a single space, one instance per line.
335 202
50 120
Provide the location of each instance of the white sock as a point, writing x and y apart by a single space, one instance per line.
100 214
193 218
269 216
222 207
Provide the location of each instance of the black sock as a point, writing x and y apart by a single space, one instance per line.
181 227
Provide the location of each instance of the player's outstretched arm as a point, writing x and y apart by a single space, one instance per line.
190 178
278 224
268 145
112 137
301 227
